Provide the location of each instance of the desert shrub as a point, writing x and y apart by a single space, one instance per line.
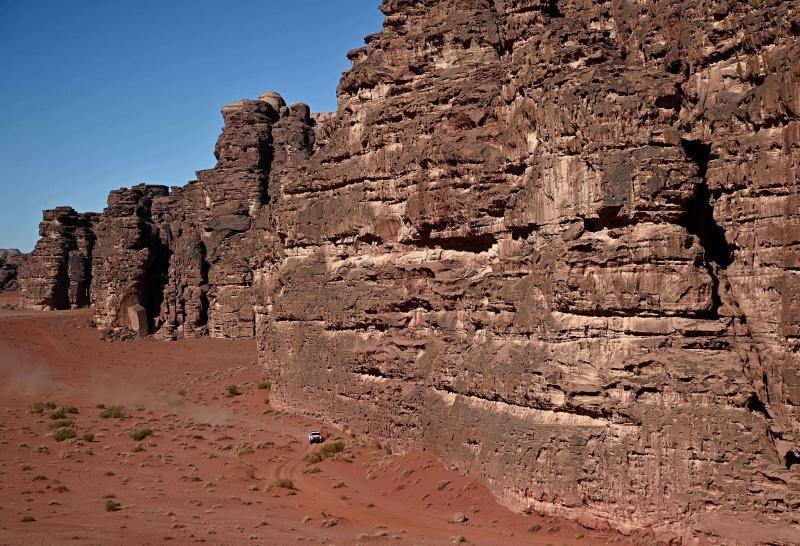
242 450
140 435
41 449
264 385
181 392
39 478
60 423
283 483
137 448
64 433
100 405
28 519
70 409
113 412
112 506
325 452
58 414
88 437
50 405
38 407
232 390
458 539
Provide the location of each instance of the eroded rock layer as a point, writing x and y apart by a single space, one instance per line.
556 242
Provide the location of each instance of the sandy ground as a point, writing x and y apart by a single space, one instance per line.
218 468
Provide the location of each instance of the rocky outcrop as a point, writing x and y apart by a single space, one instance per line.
556 243
129 264
57 274
10 261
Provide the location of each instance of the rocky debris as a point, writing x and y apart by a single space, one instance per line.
57 274
555 243
10 261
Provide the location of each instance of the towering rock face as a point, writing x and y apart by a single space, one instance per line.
10 261
209 226
57 274
555 242
129 264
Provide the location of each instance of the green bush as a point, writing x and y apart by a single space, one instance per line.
264 385
60 423
50 405
64 433
88 437
38 407
112 506
70 409
58 414
140 435
114 412
232 390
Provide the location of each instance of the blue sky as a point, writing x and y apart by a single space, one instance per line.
97 95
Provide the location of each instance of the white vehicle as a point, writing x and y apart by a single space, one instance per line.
314 437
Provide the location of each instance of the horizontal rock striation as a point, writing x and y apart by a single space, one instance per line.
555 242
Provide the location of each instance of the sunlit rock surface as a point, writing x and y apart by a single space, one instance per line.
555 242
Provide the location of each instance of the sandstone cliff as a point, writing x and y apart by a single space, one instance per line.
10 261
556 242
57 273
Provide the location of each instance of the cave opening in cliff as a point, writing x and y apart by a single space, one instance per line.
469 243
699 217
756 405
792 459
551 9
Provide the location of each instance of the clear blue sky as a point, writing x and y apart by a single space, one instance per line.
100 94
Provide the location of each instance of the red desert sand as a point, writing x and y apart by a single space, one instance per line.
176 441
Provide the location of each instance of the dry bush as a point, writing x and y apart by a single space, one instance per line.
325 452
113 412
140 435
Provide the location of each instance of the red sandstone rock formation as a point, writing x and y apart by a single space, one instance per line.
10 261
129 263
556 242
57 273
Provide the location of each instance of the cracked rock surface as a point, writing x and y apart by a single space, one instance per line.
555 242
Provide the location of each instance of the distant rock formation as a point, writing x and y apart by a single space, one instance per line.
10 261
57 274
555 242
